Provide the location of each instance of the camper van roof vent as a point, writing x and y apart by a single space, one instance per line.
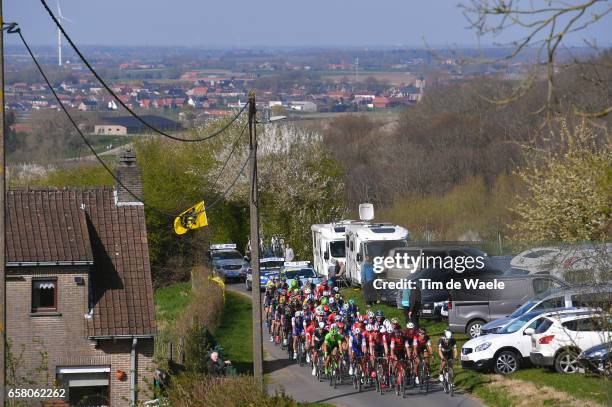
383 230
366 212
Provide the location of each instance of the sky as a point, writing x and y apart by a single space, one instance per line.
267 23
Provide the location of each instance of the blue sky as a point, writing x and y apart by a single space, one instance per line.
241 23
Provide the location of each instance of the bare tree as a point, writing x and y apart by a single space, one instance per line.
544 25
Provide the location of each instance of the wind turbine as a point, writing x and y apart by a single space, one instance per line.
61 18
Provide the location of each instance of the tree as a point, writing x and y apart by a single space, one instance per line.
568 192
544 27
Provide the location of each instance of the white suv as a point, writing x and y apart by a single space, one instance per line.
505 351
558 340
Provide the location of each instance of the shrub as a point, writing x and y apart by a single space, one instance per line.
194 390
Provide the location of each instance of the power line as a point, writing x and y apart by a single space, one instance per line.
12 29
124 105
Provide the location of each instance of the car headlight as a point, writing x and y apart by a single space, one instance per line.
482 346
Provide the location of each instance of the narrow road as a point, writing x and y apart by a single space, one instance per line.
297 382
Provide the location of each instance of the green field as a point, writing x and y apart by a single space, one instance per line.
235 334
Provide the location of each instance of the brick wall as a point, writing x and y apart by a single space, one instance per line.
63 336
129 174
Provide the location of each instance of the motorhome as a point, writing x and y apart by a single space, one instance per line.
367 238
328 245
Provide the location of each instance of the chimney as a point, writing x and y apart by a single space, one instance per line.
129 174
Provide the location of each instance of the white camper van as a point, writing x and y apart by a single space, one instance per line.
327 244
368 238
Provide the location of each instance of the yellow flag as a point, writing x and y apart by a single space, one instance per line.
192 218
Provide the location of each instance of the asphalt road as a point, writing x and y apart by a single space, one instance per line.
297 382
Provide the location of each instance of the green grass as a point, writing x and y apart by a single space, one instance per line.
236 331
171 301
578 385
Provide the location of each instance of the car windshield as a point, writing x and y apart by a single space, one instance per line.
337 249
227 256
516 324
302 273
524 308
382 248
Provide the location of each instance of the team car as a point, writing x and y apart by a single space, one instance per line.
227 262
269 267
300 270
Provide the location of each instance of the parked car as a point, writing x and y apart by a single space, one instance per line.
269 267
559 339
470 308
507 350
574 263
227 262
556 298
598 359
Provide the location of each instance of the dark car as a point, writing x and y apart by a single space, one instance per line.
598 359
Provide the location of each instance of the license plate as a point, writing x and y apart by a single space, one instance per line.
465 357
426 311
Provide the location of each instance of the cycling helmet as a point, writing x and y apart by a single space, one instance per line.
321 325
320 313
336 290
325 308
293 283
448 334
298 314
388 325
351 301
356 330
331 301
421 331
382 330
305 307
394 321
340 325
370 315
379 314
307 291
324 301
337 318
345 307
369 327
410 325
333 330
309 281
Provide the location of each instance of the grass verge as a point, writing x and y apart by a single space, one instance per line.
235 334
170 302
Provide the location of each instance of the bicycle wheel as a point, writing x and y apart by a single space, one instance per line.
359 375
426 371
451 382
445 381
381 376
398 382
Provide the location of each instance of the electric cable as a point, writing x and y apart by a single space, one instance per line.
124 105
14 29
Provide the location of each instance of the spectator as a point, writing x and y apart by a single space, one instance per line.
415 305
367 281
405 303
215 366
288 254
332 270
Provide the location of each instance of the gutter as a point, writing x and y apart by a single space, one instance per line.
133 371
108 337
49 263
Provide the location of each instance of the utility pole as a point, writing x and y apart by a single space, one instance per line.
254 204
2 227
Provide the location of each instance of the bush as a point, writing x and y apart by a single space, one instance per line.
194 390
199 342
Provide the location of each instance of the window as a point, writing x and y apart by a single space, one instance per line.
544 325
556 302
44 295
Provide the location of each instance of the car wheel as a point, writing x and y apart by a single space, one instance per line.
474 328
567 362
506 362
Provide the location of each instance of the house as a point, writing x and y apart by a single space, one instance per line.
80 310
122 125
88 105
380 102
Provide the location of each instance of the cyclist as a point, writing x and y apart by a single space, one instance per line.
318 339
380 319
409 334
421 346
447 350
357 346
333 341
297 326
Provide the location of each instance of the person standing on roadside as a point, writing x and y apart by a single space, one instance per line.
367 280
415 305
288 253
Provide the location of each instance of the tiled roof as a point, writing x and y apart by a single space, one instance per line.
45 226
117 237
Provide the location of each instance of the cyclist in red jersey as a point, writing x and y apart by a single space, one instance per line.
421 346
